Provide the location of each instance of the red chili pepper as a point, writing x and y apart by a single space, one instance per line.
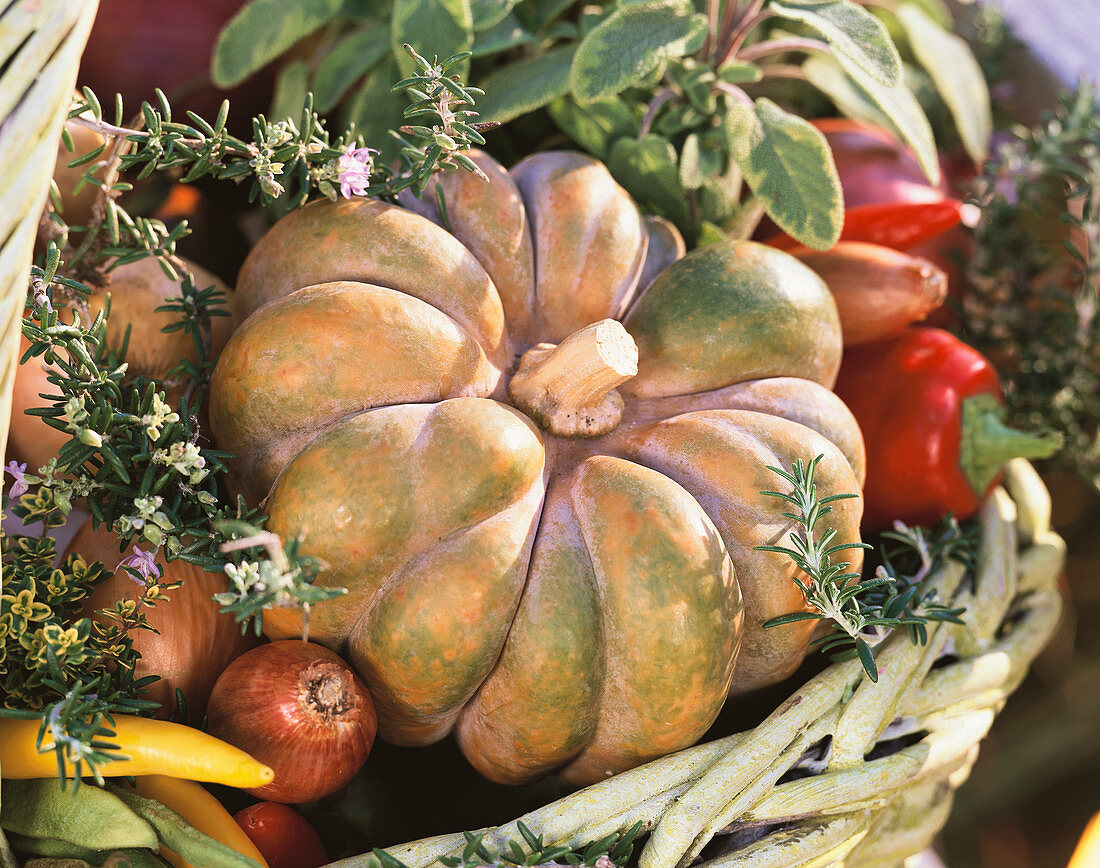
932 416
282 835
900 225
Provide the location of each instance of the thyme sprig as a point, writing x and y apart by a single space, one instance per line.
864 613
1033 300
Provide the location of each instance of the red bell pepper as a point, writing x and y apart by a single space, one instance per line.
932 415
901 225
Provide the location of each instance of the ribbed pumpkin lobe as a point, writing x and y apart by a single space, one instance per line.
569 388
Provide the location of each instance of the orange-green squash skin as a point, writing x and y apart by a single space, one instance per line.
568 605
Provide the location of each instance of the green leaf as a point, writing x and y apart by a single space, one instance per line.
895 105
788 165
175 833
851 101
508 34
489 13
630 44
375 109
291 87
349 60
262 31
594 126
740 72
90 817
951 65
647 170
700 161
852 32
435 28
526 85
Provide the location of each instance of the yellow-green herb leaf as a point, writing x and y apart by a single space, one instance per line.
788 165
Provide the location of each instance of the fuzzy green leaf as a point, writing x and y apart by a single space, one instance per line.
852 32
507 34
950 64
291 88
262 31
631 43
893 107
374 109
350 59
595 126
90 817
526 85
788 165
701 160
489 13
435 28
647 169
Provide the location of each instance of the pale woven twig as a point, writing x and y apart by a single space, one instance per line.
858 812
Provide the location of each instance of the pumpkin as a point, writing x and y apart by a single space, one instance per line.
539 479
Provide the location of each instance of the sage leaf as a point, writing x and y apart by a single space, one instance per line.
546 11
435 28
852 101
740 72
788 165
291 87
179 836
508 34
700 161
595 126
648 171
375 109
631 43
59 854
262 31
959 80
489 13
91 817
852 32
526 85
897 105
348 61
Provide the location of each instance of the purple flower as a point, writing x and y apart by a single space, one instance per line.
19 485
354 169
142 563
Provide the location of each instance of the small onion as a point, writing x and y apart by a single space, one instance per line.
299 708
194 641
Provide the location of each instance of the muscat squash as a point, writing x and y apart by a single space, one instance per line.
537 473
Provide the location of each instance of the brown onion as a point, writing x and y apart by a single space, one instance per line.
300 709
194 641
137 290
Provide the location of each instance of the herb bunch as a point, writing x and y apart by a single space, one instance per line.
1033 297
864 613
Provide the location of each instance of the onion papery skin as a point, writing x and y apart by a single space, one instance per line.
299 708
194 641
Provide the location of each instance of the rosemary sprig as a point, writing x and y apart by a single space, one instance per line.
865 612
532 851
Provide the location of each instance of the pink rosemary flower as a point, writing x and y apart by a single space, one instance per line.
143 563
354 169
19 483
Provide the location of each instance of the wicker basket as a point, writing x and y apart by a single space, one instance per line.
877 763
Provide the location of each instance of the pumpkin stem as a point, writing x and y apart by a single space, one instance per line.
569 388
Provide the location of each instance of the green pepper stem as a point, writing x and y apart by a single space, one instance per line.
987 442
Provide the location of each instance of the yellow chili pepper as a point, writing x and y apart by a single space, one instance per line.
199 808
154 747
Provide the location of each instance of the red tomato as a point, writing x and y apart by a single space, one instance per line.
282 835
